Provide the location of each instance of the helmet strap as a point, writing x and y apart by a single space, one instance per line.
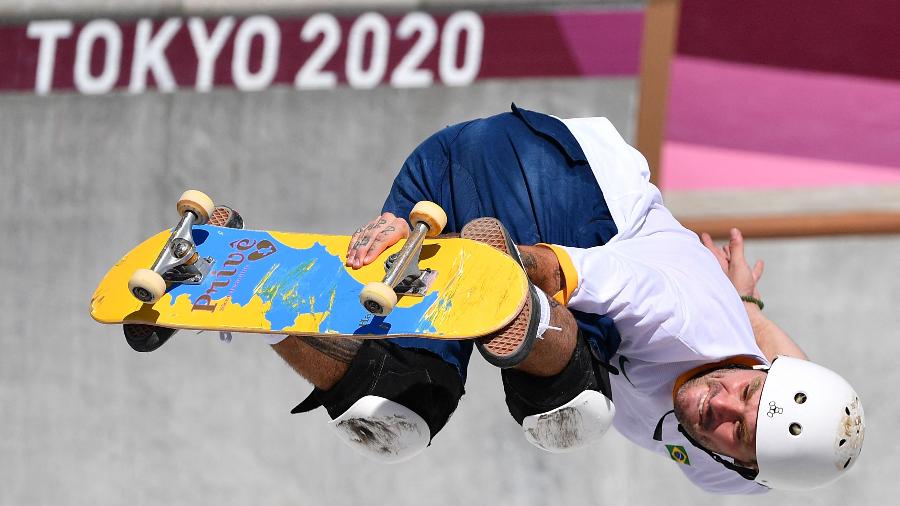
745 472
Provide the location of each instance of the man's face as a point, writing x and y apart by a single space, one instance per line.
718 409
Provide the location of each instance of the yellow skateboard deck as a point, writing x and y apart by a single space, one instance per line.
293 283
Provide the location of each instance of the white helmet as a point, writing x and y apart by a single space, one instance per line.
810 426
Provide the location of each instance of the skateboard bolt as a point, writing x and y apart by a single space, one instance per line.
373 307
180 248
142 294
390 262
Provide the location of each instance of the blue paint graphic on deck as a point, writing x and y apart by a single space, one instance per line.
300 281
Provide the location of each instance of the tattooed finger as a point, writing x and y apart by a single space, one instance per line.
358 243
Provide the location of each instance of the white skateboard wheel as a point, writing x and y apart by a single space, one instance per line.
430 214
378 298
198 203
147 286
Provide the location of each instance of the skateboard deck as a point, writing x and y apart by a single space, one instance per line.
294 283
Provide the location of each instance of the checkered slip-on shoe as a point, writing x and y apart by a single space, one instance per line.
224 216
510 345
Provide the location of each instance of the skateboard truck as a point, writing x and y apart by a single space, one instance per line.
402 273
414 281
178 262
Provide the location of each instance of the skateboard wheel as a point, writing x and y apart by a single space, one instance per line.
430 214
146 286
378 298
198 203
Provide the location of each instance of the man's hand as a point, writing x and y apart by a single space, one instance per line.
373 238
772 341
734 264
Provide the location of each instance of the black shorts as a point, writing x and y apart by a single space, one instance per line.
415 378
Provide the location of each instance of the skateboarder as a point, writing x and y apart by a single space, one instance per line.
643 298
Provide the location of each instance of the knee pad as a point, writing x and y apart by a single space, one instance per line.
576 424
563 412
382 430
386 387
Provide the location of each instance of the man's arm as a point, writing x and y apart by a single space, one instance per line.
769 337
542 267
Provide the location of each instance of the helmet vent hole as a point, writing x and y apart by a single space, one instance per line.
842 442
800 398
847 463
795 429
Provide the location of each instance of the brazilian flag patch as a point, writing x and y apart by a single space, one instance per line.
678 454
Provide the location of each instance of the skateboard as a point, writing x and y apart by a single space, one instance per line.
216 278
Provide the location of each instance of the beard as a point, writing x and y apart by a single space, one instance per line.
682 405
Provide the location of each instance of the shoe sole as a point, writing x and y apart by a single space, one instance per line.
510 345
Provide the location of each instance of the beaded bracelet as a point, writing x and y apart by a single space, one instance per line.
754 300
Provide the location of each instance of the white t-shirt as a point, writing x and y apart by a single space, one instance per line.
671 303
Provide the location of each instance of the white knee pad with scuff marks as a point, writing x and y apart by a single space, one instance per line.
575 424
382 429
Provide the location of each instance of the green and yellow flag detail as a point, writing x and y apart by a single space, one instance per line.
678 454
